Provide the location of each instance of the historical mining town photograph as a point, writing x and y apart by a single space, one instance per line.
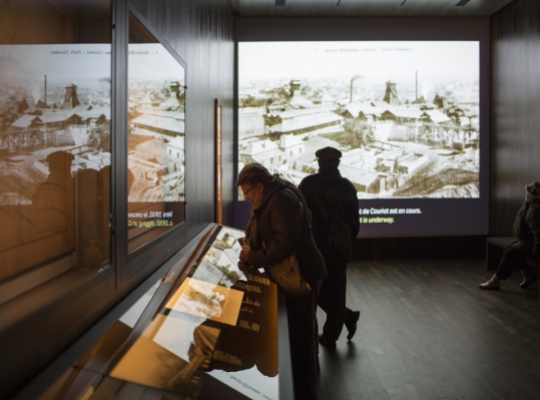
55 112
156 117
405 115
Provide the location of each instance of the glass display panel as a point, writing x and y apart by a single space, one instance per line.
218 328
156 138
210 334
55 152
405 115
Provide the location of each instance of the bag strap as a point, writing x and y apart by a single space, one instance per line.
301 220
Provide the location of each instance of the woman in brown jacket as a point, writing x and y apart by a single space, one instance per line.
280 224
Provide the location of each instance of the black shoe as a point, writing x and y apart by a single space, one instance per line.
489 285
329 344
527 281
351 324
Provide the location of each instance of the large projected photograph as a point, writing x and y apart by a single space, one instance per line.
405 115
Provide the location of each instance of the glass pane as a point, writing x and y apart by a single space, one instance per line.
218 329
156 143
211 335
55 112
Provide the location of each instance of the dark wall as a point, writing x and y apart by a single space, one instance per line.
260 29
420 248
515 138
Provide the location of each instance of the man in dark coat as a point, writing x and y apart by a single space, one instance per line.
334 206
280 224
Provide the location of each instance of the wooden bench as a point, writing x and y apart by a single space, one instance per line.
494 250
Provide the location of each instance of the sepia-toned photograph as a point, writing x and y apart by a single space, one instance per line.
53 98
55 156
405 115
207 300
156 118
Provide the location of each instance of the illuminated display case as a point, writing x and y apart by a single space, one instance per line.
207 329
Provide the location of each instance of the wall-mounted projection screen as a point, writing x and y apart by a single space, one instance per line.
405 115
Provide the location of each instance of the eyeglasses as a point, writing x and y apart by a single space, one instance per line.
249 190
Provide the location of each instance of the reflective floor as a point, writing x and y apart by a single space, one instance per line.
427 332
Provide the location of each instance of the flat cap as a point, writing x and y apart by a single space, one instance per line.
60 158
533 189
328 153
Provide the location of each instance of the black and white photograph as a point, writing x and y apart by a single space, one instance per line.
219 267
404 114
156 117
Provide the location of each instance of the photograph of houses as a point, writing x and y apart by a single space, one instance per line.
405 115
55 113
156 115
53 98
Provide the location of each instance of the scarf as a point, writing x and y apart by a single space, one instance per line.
251 232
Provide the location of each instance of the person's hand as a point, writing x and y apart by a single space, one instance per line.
244 256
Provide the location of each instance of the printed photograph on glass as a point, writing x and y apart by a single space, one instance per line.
54 99
156 115
55 156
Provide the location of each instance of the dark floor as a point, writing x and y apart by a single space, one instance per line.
427 332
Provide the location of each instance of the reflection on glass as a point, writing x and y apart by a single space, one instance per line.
216 334
85 378
55 112
156 147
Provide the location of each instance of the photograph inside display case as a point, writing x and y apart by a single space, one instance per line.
217 333
55 156
156 139
208 300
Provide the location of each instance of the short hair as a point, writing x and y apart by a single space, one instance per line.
253 174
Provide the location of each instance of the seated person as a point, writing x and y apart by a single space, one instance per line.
523 253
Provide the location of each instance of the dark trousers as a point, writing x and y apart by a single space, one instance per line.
303 340
512 260
332 298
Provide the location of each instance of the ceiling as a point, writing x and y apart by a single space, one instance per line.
367 8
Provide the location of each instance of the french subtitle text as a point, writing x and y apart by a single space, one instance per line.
384 215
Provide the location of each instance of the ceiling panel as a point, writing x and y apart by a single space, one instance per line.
367 8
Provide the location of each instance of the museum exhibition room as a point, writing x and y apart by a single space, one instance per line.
124 125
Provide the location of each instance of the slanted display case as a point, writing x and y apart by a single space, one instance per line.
207 329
